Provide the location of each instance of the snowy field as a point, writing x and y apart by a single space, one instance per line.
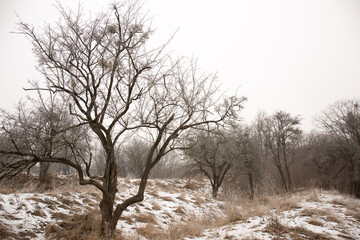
180 209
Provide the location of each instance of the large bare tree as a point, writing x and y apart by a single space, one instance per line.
112 82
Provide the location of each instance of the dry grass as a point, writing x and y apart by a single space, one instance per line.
301 233
30 184
346 237
59 216
338 202
87 226
5 191
313 196
199 200
21 206
192 228
145 218
191 185
156 206
232 214
181 197
127 180
284 203
347 202
5 233
353 214
77 227
9 216
38 212
167 198
310 212
154 193
128 219
141 204
332 219
50 204
315 222
66 201
260 206
89 202
276 229
180 211
150 231
280 231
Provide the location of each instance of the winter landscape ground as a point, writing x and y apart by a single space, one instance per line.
176 209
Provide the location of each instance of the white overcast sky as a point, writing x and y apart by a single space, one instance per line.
293 55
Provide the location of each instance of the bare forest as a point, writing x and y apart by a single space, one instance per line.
126 135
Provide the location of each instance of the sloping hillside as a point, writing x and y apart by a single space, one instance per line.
176 209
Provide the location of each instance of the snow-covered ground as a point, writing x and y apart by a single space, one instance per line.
325 215
175 209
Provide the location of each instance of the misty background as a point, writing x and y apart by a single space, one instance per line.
297 56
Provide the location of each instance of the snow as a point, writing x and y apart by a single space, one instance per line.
170 202
347 227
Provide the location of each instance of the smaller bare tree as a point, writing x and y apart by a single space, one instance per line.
281 135
45 127
342 121
207 154
322 158
134 155
244 146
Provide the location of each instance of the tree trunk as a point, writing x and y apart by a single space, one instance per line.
283 178
287 170
106 207
43 173
215 190
108 221
251 183
352 180
289 178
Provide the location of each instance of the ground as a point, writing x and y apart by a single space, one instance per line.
177 209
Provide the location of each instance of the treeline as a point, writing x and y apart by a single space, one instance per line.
270 155
273 154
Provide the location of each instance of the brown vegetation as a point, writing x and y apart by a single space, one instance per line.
76 227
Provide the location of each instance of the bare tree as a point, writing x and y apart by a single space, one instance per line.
208 155
35 127
281 134
323 159
134 155
244 146
342 121
112 83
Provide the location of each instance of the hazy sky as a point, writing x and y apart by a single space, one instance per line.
293 55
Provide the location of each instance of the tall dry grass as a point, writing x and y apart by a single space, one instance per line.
77 227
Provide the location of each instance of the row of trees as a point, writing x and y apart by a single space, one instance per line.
274 144
247 150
